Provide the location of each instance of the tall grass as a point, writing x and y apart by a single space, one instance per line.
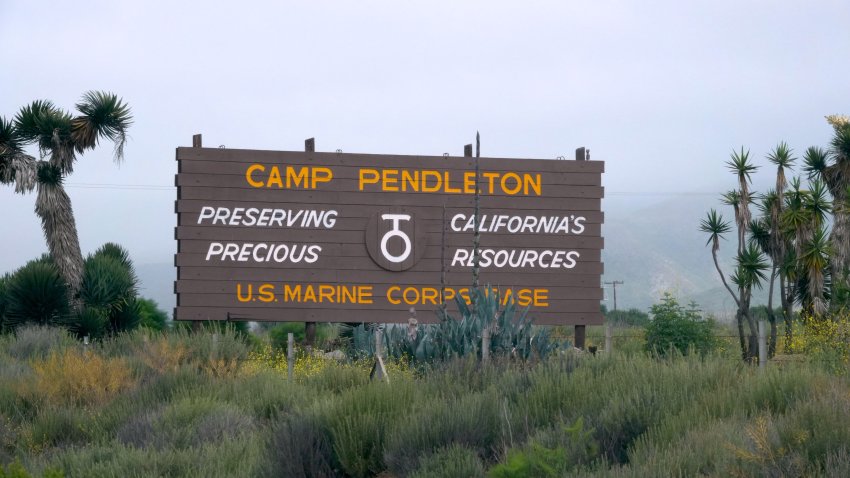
184 404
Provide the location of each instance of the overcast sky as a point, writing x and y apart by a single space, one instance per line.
660 90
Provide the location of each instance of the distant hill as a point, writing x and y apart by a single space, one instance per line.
659 248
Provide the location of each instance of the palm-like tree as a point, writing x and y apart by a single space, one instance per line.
833 168
742 167
751 264
60 138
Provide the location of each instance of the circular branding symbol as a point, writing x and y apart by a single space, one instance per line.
394 239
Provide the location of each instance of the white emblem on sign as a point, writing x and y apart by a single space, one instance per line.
396 232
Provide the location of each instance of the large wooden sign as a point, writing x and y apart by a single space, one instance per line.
305 236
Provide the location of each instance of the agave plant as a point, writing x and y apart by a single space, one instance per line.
511 333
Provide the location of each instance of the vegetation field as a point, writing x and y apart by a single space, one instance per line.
209 404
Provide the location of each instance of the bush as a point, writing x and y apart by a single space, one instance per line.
35 293
472 421
453 461
278 335
80 378
299 447
152 317
674 327
37 341
825 340
632 317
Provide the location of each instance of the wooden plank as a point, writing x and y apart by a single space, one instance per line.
386 199
365 263
433 213
237 169
332 249
454 276
389 316
321 236
353 186
385 161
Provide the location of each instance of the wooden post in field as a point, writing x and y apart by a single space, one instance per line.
309 327
379 370
762 343
609 345
579 337
290 355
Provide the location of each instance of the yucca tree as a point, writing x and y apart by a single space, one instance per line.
741 166
60 139
774 205
750 262
833 168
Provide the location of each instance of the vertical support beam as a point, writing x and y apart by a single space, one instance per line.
197 142
309 327
290 355
579 337
762 343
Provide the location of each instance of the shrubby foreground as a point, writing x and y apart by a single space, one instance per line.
203 404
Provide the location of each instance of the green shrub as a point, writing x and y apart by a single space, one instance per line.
108 292
38 341
188 422
300 447
152 317
674 327
632 317
278 334
472 421
56 427
17 470
451 462
35 293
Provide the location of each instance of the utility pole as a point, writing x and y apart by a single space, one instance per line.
614 284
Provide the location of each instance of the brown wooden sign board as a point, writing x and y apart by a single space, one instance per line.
340 237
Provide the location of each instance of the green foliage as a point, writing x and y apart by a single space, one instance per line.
35 293
152 317
472 420
552 453
108 292
450 462
632 317
37 341
511 333
300 447
17 470
568 415
278 334
674 327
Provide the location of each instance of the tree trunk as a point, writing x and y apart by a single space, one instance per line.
786 297
53 207
752 340
739 317
771 317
